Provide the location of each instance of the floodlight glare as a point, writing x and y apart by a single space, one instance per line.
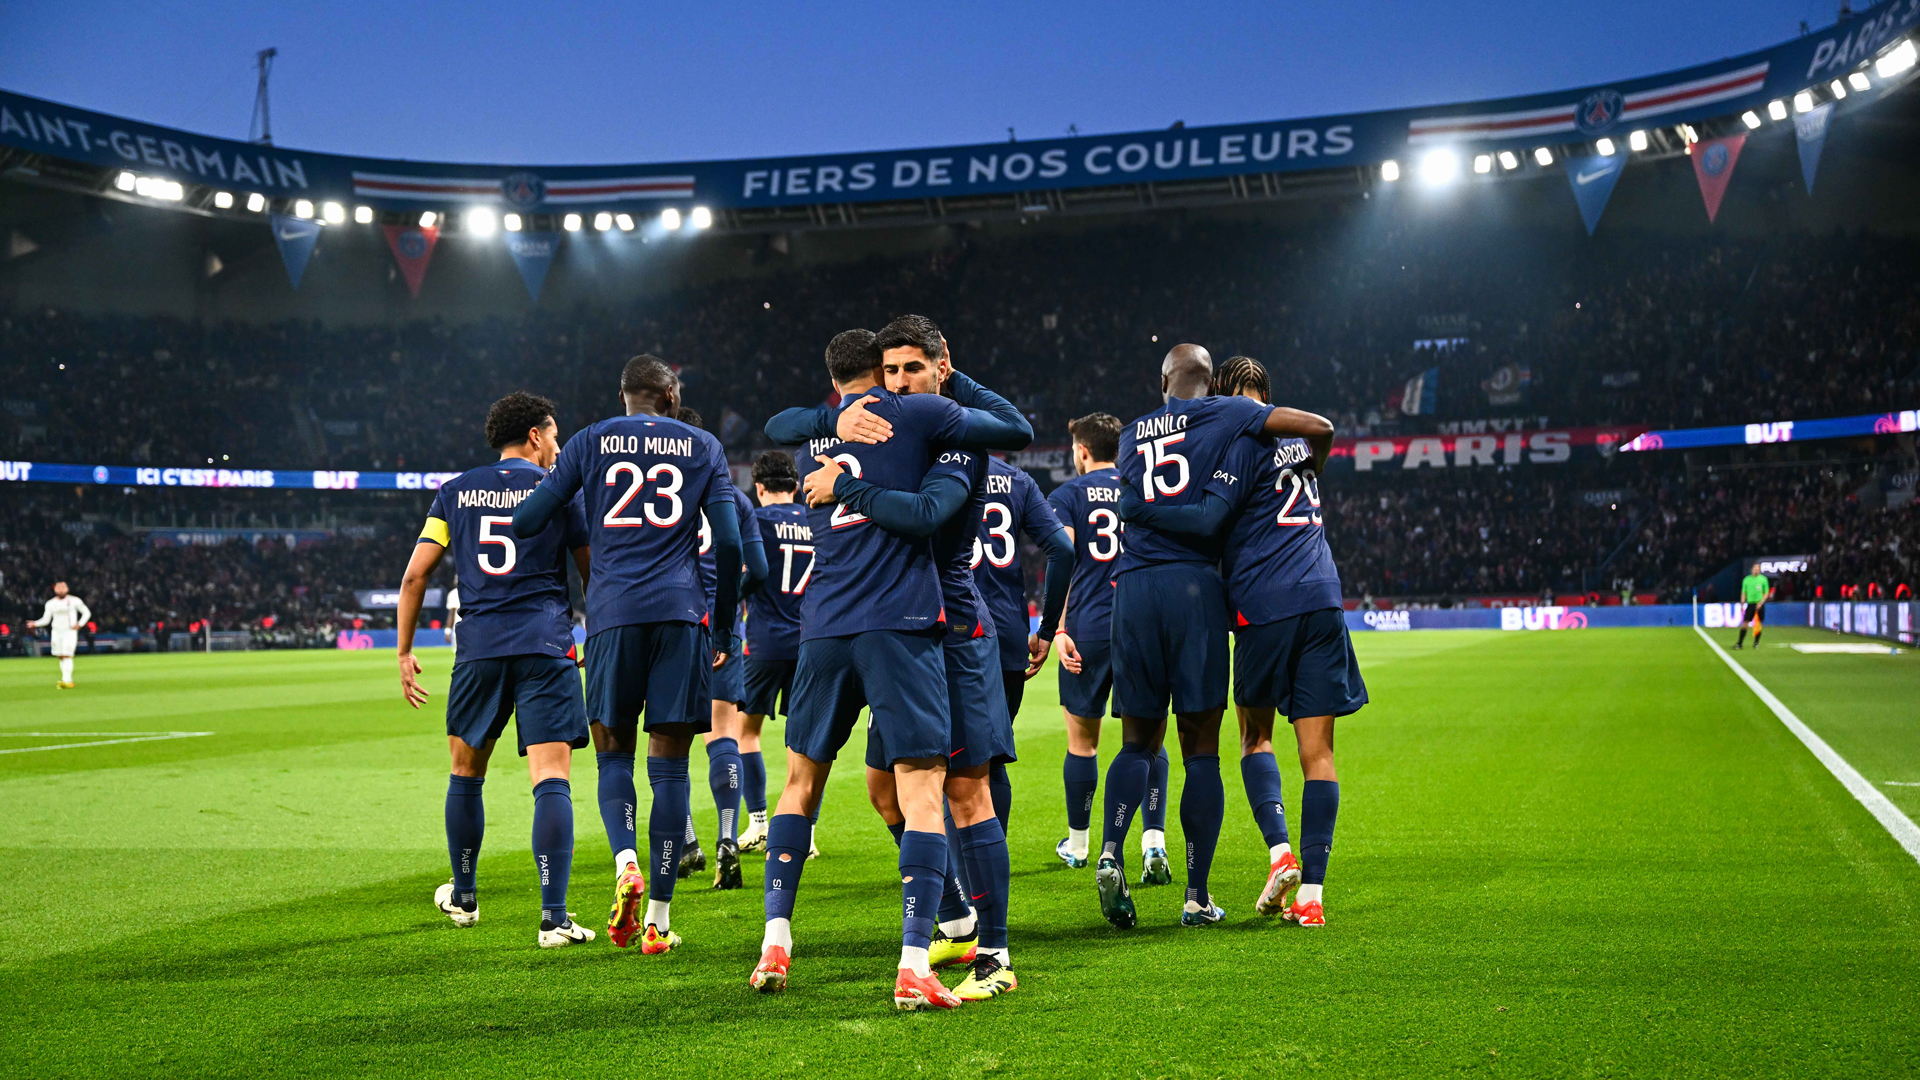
334 212
481 222
1838 89
125 181
302 208
670 219
363 214
1483 163
427 218
1439 167
512 222
1509 160
256 202
1690 135
603 221
701 217
1859 81
1777 109
1750 118
1803 101
1605 146
625 221
1543 156
571 223
1389 171
223 200
1637 141
1898 59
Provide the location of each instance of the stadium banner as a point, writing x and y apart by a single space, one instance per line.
533 255
148 476
296 238
412 249
1779 431
423 638
208 537
1593 178
1719 88
1873 618
1421 394
1562 617
1549 447
1713 163
1810 133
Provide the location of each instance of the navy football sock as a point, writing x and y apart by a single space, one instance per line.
923 877
1082 777
1203 805
896 829
667 823
1261 775
723 776
553 847
983 851
813 816
617 800
466 824
753 785
1126 790
1154 812
1319 809
787 838
953 899
1002 790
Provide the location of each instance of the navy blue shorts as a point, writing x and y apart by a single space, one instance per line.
1085 694
660 669
981 732
542 693
729 681
1299 666
1169 638
901 675
768 683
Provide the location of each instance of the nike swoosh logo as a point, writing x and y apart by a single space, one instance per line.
1589 177
297 234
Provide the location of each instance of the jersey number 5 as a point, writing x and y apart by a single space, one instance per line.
504 538
1159 452
666 479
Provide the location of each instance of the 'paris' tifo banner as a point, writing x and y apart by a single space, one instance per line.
1576 115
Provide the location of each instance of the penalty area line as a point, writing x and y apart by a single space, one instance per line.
130 737
1904 831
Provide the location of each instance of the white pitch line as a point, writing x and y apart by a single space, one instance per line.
139 737
1904 831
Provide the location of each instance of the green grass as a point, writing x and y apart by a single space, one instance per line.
1573 854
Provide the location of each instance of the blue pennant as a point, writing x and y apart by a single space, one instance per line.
1593 179
533 253
296 237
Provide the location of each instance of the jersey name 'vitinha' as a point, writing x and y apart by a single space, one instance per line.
644 480
513 590
1171 455
773 613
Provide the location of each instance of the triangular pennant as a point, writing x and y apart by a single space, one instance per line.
1810 130
296 237
1593 179
533 253
1713 163
412 248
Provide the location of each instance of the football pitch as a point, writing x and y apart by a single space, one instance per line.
1559 854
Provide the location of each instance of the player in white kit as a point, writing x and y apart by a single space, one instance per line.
66 614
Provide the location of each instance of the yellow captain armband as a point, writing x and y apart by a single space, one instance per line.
436 530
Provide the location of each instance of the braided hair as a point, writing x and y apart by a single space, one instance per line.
1242 373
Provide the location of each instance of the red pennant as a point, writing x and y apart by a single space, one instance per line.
1713 163
412 248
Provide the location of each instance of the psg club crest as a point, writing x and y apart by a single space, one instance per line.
1715 160
1598 111
412 244
524 189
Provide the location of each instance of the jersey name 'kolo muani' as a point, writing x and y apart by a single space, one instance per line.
644 480
773 613
864 577
1277 561
1170 456
513 590
1090 506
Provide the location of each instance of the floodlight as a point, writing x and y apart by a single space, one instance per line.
223 200
302 208
1777 109
335 213
1483 163
481 222
603 221
1838 89
1750 118
1896 60
1803 101
363 214
1543 156
1605 146
256 202
427 218
1690 135
625 221
571 223
1509 159
512 222
670 219
1637 141
701 217
1439 167
125 181
1389 171
1859 81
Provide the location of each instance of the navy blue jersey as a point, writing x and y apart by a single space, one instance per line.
1090 506
1277 561
864 577
513 590
1013 502
1171 455
969 612
773 613
743 513
645 479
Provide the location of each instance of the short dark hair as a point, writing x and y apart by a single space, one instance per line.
851 355
774 471
912 332
510 418
690 418
1099 433
1242 373
648 374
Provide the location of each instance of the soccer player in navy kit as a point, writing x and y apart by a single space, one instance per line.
1170 620
1293 654
773 625
646 477
872 628
515 654
1089 506
1014 502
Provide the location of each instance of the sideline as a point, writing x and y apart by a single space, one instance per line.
1904 831
134 736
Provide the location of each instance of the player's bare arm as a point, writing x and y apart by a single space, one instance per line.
413 594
